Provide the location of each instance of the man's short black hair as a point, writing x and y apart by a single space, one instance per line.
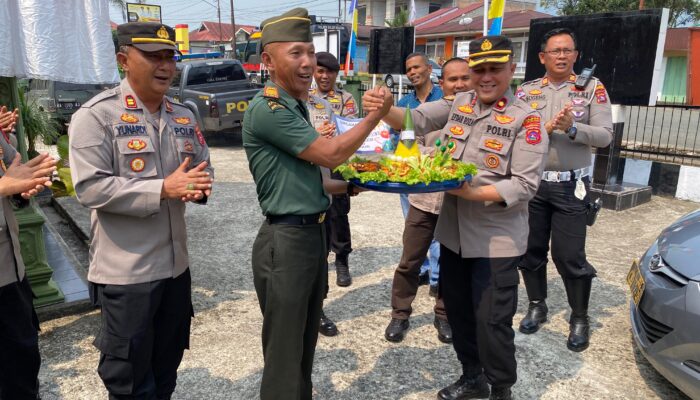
451 60
418 54
555 32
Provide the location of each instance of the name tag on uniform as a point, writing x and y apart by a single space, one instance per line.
130 130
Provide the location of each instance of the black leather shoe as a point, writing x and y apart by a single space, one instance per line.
536 316
342 277
424 279
433 291
444 330
396 330
500 393
466 388
327 327
579 334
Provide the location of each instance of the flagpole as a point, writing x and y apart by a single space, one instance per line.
486 17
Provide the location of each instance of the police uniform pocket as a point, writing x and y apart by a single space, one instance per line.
504 297
186 148
493 154
457 135
112 345
136 157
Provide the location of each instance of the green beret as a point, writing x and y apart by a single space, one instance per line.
147 36
292 26
495 49
328 61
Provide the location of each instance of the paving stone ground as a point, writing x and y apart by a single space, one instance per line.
225 358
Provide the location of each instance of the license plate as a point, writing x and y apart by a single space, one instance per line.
635 280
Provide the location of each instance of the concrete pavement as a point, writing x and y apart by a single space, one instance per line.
225 358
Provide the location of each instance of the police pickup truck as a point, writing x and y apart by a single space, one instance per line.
216 90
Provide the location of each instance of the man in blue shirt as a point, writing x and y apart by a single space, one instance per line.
418 71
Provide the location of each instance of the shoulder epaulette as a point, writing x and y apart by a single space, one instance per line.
101 96
275 105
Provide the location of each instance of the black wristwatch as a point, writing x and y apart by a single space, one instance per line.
572 131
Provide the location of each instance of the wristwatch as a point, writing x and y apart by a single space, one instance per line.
571 132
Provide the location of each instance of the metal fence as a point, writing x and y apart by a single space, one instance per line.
667 133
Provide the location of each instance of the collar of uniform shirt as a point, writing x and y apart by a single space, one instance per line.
411 100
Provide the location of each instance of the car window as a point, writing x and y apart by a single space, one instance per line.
215 72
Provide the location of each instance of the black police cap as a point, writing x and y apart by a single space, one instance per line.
495 49
328 61
147 36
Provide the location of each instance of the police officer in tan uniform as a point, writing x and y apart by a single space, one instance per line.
576 118
343 104
19 345
482 226
136 158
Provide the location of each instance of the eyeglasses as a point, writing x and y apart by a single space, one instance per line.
554 53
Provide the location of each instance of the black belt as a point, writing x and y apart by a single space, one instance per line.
310 219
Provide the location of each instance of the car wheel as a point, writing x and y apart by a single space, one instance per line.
389 80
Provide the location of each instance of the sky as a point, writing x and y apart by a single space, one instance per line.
248 12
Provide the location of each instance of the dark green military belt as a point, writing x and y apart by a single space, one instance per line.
310 219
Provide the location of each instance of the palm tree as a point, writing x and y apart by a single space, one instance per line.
400 19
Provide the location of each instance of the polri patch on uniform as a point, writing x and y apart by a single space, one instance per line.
200 136
493 144
466 108
137 144
457 130
350 107
182 120
501 104
504 119
492 161
129 118
137 164
271 91
532 122
533 137
130 130
600 96
130 101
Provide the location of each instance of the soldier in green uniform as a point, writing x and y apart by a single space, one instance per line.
284 154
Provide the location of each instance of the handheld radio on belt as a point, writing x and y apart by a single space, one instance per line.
585 76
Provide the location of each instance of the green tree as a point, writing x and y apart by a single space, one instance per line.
400 19
682 12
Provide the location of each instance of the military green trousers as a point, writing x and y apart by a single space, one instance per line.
289 273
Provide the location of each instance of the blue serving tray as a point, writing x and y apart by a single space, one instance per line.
400 187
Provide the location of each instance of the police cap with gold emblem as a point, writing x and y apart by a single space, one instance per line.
495 49
328 61
147 36
292 26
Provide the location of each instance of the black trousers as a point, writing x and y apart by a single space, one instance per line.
481 295
556 213
19 343
289 273
144 333
340 240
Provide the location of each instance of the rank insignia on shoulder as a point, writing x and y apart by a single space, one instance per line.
130 101
533 137
504 119
331 94
449 97
467 109
457 130
182 120
545 81
137 164
168 106
136 144
271 91
319 106
501 104
572 78
130 118
275 105
492 161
